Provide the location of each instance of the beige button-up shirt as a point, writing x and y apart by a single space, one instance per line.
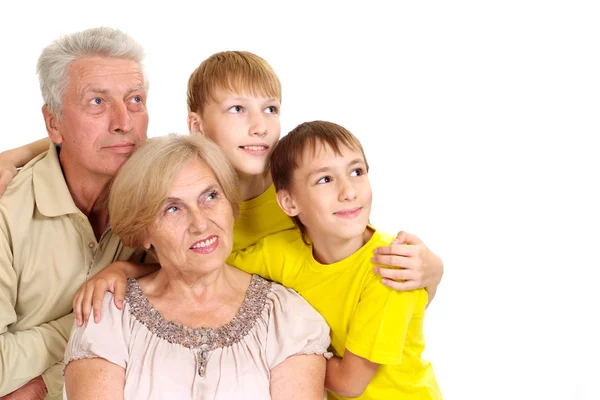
47 251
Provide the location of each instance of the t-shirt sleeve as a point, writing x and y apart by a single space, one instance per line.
264 258
106 339
294 327
379 329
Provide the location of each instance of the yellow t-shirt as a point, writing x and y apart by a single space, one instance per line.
259 217
371 320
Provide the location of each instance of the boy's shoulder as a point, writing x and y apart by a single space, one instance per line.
378 239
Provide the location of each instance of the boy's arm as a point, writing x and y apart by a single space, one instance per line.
349 376
112 278
12 159
413 265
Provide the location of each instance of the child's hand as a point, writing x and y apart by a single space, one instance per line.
111 279
414 266
7 173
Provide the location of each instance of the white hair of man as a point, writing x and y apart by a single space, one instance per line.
53 64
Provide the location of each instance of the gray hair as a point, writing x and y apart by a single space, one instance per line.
54 62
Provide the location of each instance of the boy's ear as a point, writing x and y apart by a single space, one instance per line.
195 124
287 203
52 125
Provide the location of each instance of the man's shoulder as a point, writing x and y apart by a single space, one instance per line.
19 196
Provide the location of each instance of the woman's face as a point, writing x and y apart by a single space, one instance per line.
194 229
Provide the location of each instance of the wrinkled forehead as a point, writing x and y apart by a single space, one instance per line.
105 72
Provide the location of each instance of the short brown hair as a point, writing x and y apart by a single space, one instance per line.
287 155
142 185
233 71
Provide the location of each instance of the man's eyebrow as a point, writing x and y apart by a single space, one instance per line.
135 89
94 90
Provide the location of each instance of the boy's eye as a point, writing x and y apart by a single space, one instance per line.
271 110
325 179
236 109
357 172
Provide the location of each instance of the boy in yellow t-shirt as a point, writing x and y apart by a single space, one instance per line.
320 173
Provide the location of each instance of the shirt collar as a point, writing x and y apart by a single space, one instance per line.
51 192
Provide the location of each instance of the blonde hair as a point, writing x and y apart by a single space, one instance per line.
232 71
287 155
142 185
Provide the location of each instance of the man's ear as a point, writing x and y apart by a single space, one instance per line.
287 203
52 125
195 124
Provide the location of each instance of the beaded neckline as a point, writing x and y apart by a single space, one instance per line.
202 339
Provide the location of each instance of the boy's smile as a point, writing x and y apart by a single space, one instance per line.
332 194
245 126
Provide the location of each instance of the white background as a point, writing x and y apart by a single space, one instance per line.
478 119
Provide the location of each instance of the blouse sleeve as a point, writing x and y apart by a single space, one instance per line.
106 339
294 327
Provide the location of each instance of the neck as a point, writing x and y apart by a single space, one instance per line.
89 193
252 186
329 250
192 285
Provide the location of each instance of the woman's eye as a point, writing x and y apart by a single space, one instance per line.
271 110
172 209
325 179
212 196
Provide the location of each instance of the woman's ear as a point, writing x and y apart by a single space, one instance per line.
52 125
287 203
195 124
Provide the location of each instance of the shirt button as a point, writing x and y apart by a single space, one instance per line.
91 245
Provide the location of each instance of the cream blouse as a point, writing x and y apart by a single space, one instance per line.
167 360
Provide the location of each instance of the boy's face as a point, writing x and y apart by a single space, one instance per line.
331 193
245 127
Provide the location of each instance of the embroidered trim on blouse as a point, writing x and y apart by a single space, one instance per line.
204 340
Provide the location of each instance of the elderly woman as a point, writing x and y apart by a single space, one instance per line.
197 328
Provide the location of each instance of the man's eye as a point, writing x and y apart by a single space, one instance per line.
137 99
97 101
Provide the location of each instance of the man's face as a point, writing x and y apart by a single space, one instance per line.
245 127
332 193
104 114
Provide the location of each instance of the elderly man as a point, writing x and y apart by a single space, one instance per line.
54 230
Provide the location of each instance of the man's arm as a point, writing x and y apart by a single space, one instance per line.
12 159
26 354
